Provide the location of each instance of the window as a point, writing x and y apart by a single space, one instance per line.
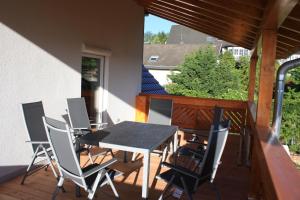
210 39
245 52
241 52
236 52
153 58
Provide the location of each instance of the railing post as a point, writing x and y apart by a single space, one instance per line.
141 108
266 78
252 76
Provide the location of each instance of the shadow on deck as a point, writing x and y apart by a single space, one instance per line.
231 180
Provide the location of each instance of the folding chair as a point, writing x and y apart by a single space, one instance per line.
80 123
88 178
199 151
160 112
33 113
205 170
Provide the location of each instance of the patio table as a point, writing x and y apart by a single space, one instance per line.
134 137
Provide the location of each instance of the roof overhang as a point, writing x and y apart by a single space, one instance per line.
237 21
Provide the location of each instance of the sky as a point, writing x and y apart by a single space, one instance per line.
155 24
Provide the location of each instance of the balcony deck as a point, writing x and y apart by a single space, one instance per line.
231 179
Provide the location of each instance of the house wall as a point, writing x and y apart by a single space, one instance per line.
40 59
161 76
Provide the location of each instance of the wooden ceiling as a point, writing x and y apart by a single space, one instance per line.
237 21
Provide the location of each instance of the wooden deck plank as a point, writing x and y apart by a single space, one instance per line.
231 180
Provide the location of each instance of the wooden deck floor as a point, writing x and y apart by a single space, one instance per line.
231 180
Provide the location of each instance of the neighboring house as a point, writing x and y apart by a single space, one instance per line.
183 35
292 57
162 59
237 52
150 85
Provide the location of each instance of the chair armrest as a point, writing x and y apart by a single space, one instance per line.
37 142
98 168
195 152
181 170
99 124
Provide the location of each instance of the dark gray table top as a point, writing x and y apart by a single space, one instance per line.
132 134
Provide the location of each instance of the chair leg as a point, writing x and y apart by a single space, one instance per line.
50 162
95 185
112 154
166 188
58 187
216 190
189 196
30 165
90 158
165 154
111 185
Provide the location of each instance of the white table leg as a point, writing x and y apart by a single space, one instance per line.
146 175
175 141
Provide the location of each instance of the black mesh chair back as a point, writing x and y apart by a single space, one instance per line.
61 142
160 111
33 113
218 115
216 143
78 114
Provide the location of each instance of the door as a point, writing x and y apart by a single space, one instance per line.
92 75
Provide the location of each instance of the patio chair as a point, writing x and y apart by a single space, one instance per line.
79 121
205 170
89 178
199 151
160 112
32 114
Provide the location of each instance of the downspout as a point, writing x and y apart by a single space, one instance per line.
280 78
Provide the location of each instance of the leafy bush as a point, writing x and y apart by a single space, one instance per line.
290 129
204 74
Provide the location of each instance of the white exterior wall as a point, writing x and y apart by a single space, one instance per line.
40 59
161 76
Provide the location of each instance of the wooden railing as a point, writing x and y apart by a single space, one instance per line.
273 174
196 113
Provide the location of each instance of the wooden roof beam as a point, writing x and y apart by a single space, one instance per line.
260 4
288 34
209 10
237 7
244 28
225 29
275 13
207 31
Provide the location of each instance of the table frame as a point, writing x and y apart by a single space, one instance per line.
146 159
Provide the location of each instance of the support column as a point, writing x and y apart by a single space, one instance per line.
252 76
266 77
141 108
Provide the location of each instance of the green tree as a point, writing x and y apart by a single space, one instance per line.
159 38
290 129
204 74
195 74
148 36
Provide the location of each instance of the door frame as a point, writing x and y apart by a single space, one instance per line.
102 92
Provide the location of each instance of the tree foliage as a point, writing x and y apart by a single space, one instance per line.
204 74
290 129
159 38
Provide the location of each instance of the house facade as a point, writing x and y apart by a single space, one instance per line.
42 44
